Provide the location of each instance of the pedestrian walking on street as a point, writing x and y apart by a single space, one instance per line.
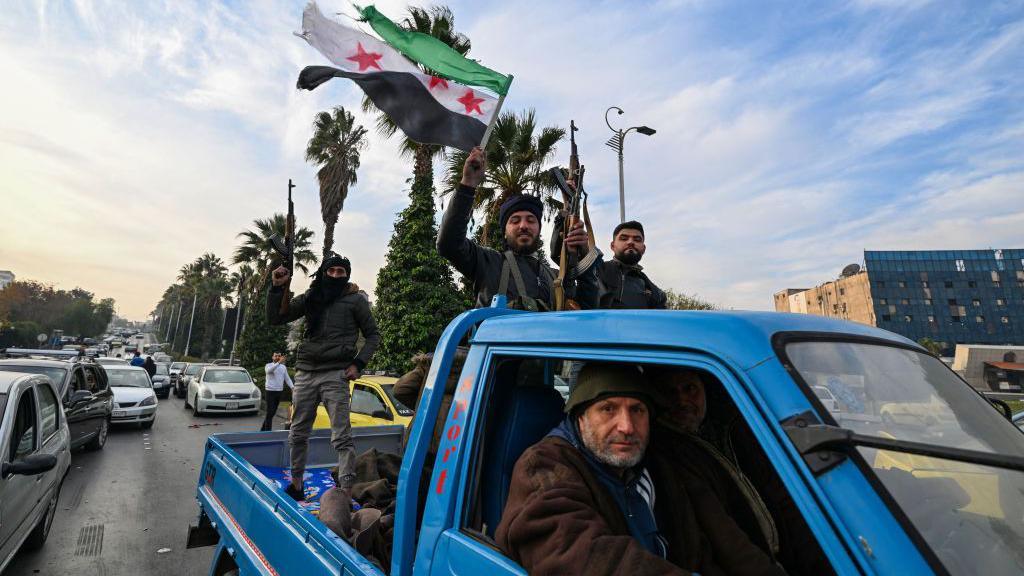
277 377
336 313
137 359
150 366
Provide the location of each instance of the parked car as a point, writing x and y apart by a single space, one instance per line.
82 389
222 389
160 357
36 458
828 400
134 397
162 380
116 343
186 375
372 404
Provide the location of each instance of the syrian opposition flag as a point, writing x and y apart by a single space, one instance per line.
448 109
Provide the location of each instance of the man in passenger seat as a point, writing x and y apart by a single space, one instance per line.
589 498
706 448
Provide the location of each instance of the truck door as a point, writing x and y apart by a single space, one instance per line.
509 399
21 493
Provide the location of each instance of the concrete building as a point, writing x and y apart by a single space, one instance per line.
950 296
6 277
847 298
991 368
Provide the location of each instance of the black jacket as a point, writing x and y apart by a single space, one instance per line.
619 285
334 345
484 265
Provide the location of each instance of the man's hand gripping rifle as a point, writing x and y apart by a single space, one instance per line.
285 247
574 199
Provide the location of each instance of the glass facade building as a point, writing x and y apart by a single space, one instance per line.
950 296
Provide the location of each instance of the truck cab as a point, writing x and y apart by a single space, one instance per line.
876 495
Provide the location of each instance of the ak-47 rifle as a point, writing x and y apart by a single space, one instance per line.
285 247
575 197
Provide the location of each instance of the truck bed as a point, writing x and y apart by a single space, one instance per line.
256 523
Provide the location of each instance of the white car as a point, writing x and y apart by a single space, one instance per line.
827 399
222 389
35 458
134 399
108 361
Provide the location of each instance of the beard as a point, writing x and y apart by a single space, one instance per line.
629 257
602 449
513 244
689 418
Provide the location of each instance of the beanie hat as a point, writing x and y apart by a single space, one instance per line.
335 260
599 380
518 203
631 225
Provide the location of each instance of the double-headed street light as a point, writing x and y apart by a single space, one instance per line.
617 143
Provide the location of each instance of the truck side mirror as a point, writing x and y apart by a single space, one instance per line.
30 465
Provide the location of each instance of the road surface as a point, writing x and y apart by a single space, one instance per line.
125 510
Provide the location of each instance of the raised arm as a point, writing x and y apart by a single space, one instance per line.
452 242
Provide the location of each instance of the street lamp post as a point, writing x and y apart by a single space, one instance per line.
617 143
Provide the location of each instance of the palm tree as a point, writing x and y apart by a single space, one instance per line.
516 159
335 147
255 249
438 22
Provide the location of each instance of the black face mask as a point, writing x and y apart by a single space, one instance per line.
332 287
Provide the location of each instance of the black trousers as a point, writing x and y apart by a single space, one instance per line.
273 399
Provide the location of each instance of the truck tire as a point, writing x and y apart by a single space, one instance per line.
100 439
39 533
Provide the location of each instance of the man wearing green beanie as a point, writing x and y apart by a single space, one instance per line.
589 499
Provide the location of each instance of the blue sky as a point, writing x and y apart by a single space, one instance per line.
791 136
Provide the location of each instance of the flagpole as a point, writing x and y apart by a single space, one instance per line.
497 110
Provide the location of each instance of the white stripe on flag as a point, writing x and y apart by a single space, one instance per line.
340 43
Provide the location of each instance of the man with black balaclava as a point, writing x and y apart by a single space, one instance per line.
622 282
517 272
336 312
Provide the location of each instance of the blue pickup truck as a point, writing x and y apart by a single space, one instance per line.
904 470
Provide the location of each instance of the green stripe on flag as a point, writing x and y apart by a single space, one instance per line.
434 54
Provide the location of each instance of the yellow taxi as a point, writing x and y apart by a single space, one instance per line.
373 404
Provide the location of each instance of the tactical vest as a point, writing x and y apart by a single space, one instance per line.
510 268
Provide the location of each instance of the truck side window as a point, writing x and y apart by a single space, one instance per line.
23 436
49 413
366 401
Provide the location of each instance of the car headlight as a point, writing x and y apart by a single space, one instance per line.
255 393
148 401
207 393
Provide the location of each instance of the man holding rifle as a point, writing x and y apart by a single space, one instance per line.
517 272
336 312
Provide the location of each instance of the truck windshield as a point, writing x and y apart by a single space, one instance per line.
972 516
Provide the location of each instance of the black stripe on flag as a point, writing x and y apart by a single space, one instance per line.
408 103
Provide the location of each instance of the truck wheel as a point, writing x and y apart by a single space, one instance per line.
100 438
37 537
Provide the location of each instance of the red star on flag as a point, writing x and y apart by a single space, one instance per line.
434 81
365 59
471 102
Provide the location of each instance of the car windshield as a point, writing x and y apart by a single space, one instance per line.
56 375
129 378
226 376
161 370
177 365
971 515
193 369
403 410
